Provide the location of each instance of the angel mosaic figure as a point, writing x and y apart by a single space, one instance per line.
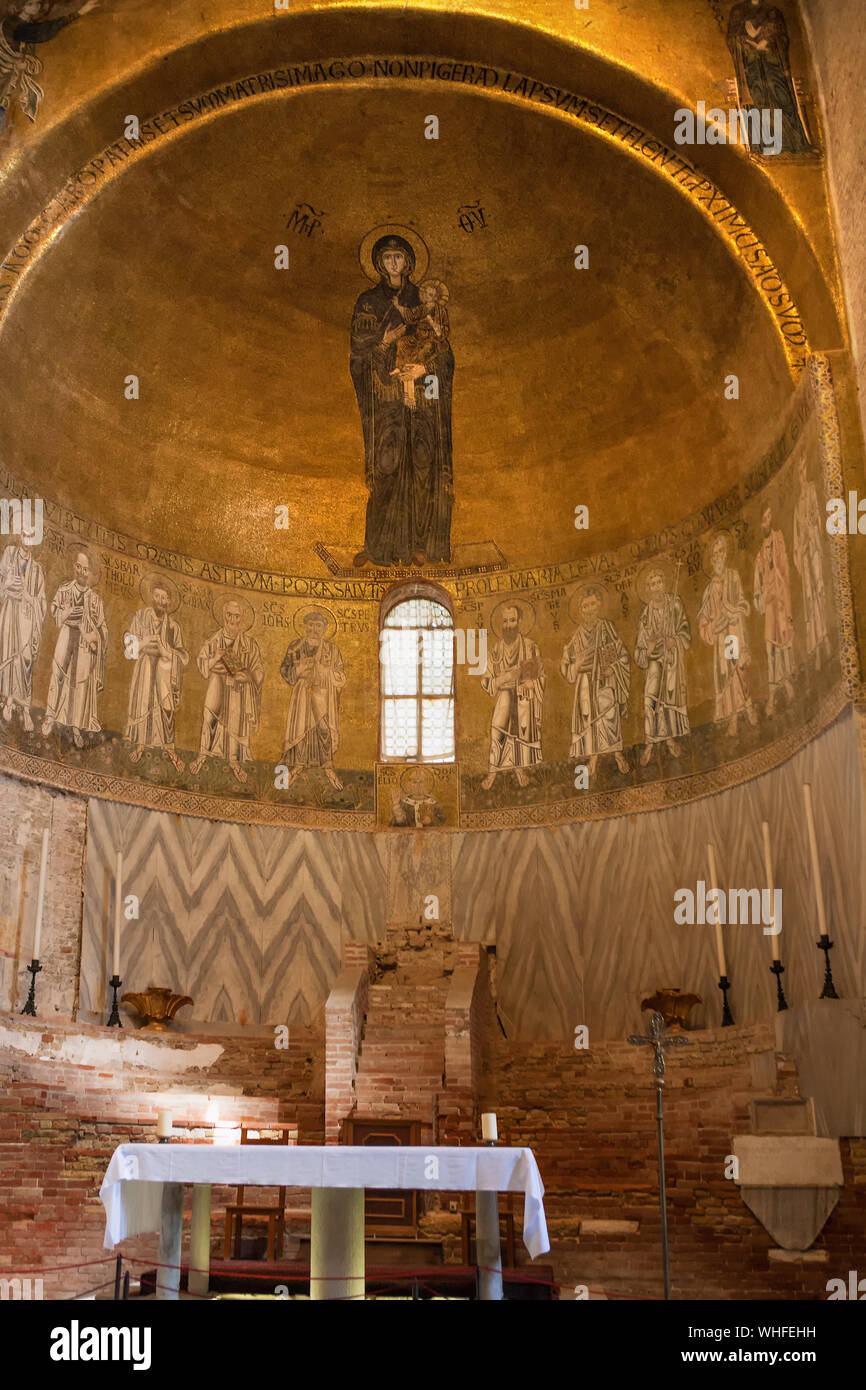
759 44
23 24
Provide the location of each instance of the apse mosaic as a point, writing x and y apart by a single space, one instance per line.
682 662
415 402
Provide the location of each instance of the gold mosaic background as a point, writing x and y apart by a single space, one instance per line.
602 387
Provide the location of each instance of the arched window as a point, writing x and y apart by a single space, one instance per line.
416 660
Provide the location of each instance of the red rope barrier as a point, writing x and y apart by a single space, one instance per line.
404 1277
109 1284
53 1269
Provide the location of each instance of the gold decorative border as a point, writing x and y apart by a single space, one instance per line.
83 783
830 451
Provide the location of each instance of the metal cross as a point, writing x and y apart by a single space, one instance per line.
661 1040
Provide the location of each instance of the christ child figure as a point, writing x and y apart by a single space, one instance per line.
430 336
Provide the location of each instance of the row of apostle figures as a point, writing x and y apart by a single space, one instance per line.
230 661
595 661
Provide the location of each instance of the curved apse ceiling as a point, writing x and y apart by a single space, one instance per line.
602 386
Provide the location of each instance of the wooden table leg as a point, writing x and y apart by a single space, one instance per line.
170 1233
337 1256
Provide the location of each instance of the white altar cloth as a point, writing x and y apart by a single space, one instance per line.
131 1190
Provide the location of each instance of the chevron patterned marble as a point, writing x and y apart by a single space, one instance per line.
246 920
582 916
249 921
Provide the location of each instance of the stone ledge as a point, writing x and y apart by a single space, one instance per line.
798 1257
792 1160
609 1228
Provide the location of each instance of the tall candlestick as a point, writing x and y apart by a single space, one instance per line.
40 897
816 865
714 884
118 888
768 865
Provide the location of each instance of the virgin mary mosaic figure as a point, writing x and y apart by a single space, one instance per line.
402 369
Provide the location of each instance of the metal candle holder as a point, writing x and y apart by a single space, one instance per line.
114 1016
826 945
778 970
727 1016
30 1007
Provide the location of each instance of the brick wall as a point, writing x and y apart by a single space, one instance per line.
71 1094
590 1118
65 1108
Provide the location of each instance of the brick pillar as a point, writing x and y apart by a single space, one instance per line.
345 1010
457 1103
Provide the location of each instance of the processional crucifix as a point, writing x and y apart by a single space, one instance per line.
660 1039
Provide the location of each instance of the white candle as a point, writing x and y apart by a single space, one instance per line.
768 865
816 865
40 896
720 940
163 1124
118 889
488 1127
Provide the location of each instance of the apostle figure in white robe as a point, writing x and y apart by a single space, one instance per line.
773 599
722 625
595 662
313 667
809 564
154 643
515 678
22 614
231 663
663 637
78 668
